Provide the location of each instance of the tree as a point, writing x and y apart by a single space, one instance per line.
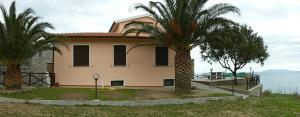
234 46
181 25
21 37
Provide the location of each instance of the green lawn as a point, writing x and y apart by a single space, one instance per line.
272 106
73 93
104 94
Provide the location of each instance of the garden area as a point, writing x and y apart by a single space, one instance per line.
107 94
271 106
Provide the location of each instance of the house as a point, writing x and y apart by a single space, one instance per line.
108 55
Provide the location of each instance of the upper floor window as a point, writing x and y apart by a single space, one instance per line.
161 56
119 55
81 55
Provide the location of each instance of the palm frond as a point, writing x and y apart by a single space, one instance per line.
23 36
182 23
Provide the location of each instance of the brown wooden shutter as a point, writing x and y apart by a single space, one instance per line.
120 55
161 56
81 55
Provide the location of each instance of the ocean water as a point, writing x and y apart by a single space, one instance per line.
281 82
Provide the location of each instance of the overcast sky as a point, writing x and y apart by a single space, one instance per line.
278 21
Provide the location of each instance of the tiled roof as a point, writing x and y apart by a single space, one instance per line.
96 34
90 34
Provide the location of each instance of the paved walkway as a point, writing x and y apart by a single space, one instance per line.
214 89
120 103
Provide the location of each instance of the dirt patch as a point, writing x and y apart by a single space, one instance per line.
229 113
74 96
152 94
3 91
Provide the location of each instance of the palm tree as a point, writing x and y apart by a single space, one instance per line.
181 25
21 37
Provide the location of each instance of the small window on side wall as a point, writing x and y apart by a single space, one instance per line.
117 83
168 82
161 56
81 55
119 55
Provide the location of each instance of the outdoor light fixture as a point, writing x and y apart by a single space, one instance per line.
96 77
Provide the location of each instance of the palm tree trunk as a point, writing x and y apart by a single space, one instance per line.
183 72
13 77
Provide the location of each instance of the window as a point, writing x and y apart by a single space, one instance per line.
117 83
168 82
120 55
161 56
81 55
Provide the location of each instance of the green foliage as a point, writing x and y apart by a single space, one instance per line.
181 24
234 46
22 36
267 93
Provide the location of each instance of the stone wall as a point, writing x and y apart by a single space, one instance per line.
37 64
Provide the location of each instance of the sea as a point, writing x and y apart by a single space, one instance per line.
281 81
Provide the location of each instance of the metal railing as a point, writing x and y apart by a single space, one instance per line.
209 77
253 81
30 79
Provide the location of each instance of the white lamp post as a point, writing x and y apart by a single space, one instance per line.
96 77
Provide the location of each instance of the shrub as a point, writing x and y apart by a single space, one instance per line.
56 84
193 88
296 94
267 93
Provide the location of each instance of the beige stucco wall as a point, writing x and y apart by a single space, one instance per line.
140 69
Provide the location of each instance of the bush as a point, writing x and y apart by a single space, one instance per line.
56 84
267 93
296 94
193 88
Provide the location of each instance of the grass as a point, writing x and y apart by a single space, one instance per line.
275 105
73 93
104 94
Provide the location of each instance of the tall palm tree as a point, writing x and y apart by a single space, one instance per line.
21 37
181 25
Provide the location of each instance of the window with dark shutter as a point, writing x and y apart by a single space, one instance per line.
161 56
119 55
81 55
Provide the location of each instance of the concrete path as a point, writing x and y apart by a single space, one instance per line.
214 89
120 103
